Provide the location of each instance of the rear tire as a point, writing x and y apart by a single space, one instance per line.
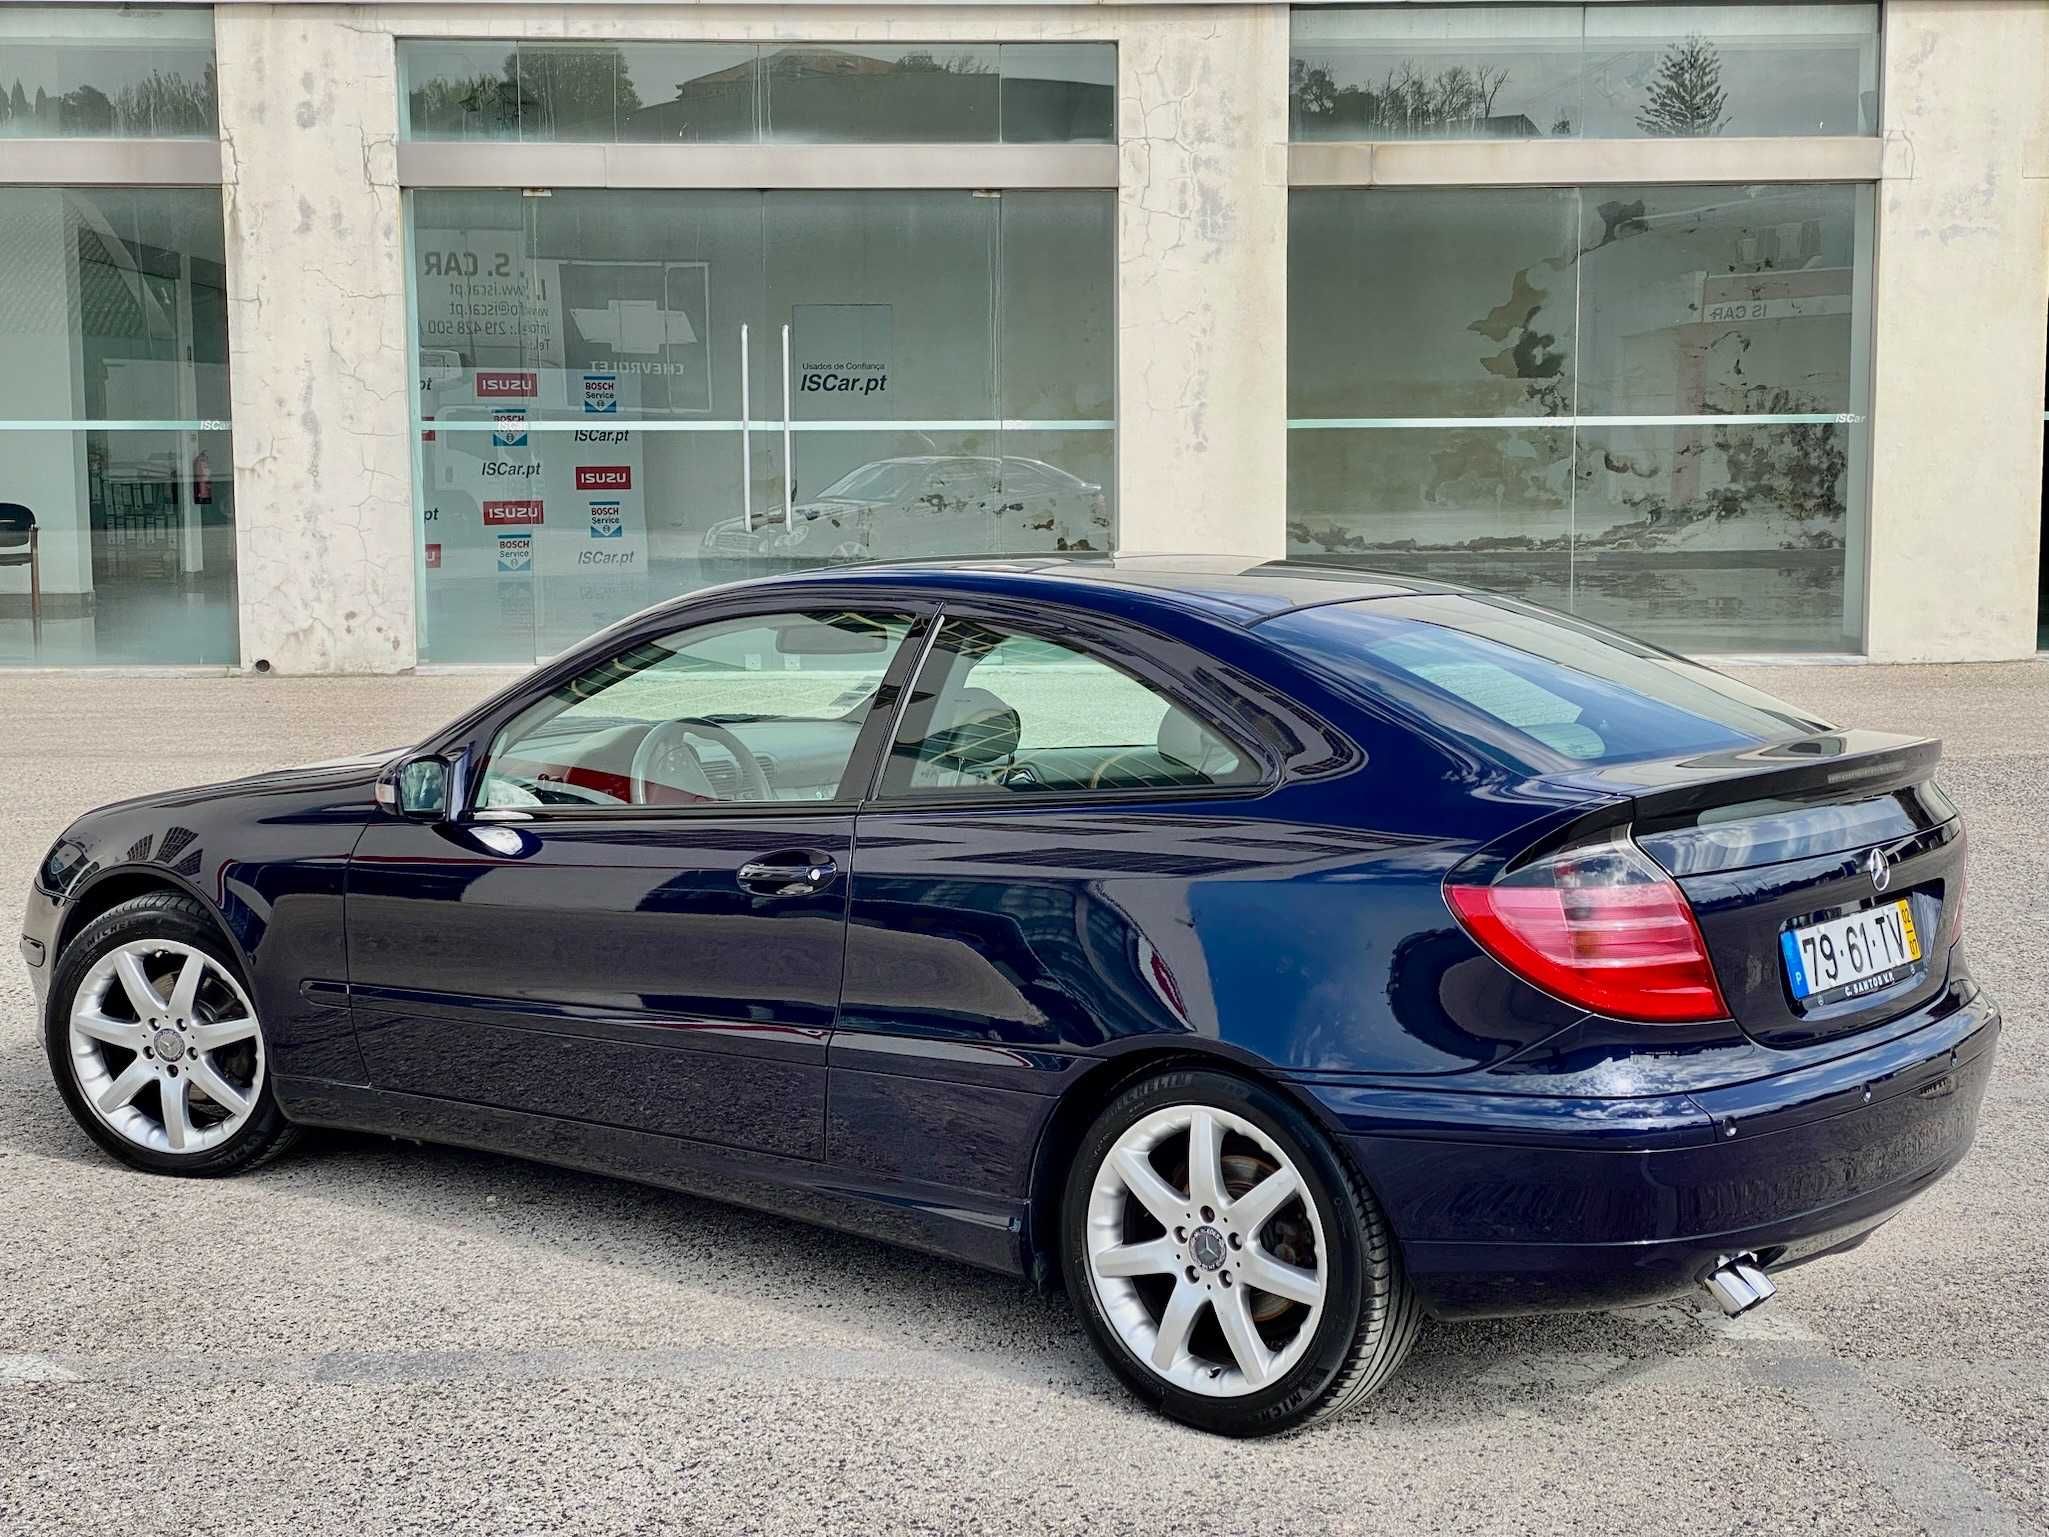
155 1044
1168 1284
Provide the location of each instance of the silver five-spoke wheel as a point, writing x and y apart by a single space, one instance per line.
1205 1250
165 1047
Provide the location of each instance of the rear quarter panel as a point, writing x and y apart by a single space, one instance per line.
999 952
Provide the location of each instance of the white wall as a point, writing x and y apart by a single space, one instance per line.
316 339
1962 301
1202 279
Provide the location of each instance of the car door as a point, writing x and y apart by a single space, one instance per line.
1023 893
636 915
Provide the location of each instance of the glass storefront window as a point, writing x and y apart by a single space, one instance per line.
601 377
1594 72
114 442
743 93
95 71
1645 405
893 93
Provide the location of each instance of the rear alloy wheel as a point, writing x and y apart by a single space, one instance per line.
1229 1265
155 1044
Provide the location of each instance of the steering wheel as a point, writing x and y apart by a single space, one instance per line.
666 748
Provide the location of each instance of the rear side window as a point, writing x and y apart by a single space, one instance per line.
1541 686
1001 713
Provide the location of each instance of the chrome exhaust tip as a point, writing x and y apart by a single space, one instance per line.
1737 1286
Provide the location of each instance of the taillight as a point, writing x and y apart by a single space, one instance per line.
1600 926
1962 884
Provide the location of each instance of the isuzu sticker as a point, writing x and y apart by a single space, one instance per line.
503 384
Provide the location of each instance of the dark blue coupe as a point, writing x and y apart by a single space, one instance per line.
1272 956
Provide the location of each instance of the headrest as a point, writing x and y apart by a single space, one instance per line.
978 729
1188 742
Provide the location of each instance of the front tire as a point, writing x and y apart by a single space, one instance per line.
155 1045
1227 1262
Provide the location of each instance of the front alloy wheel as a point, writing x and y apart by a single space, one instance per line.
1229 1264
164 1044
155 1044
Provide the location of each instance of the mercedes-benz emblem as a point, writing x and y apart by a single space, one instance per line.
1881 872
1207 1245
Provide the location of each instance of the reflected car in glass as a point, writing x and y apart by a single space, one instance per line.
924 505
1272 957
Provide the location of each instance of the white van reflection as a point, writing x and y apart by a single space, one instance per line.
928 504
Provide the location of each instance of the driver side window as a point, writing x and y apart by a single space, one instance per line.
766 708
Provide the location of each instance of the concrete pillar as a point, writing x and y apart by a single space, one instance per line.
316 339
1962 299
1202 365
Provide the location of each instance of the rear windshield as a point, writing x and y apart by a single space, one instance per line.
1538 686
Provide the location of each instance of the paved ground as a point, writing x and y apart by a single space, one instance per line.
369 1338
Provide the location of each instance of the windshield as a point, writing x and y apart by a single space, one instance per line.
1541 685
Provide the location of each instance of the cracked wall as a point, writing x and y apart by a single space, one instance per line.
317 341
1962 293
1202 279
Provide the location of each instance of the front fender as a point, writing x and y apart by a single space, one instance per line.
267 859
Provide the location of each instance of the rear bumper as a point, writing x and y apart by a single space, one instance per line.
1517 1203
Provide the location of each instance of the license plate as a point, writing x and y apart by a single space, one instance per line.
1848 957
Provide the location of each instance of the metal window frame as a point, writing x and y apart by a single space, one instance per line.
457 164
1583 162
112 162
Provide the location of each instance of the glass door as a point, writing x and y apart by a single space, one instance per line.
656 456
585 407
628 395
884 304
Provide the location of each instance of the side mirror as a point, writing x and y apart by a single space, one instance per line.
418 789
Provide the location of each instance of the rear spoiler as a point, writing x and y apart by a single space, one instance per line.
1827 766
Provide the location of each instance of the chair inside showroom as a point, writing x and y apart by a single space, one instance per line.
18 548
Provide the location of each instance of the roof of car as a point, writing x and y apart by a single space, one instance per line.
1228 587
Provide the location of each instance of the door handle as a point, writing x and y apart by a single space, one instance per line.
789 873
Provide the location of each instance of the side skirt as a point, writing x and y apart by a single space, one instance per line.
936 1219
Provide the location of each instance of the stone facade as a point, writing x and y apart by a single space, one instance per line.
310 175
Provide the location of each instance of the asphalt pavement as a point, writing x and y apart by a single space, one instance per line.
370 1337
